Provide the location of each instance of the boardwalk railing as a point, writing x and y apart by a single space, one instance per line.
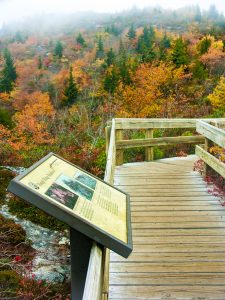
214 135
97 282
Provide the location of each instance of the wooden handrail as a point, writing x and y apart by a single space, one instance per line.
163 141
136 123
215 135
211 132
97 280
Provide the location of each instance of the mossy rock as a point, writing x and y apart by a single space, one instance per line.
24 210
5 177
12 233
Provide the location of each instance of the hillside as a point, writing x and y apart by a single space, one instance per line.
63 78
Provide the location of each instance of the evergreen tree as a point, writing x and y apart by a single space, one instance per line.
58 50
111 80
112 29
145 45
8 74
164 44
179 53
204 45
110 57
199 71
80 40
100 48
71 91
131 33
123 64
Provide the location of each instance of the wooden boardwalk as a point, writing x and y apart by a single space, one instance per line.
178 234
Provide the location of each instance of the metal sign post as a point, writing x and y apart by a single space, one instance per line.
80 248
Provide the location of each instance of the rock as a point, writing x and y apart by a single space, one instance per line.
64 241
47 274
51 261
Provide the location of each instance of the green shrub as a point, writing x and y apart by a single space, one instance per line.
12 233
158 153
5 177
9 282
5 117
24 210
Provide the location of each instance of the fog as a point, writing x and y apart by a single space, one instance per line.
13 10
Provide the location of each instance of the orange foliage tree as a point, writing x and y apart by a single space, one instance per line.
31 129
32 122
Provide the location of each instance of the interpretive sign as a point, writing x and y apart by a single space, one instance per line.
83 201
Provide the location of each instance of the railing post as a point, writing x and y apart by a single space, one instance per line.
107 138
206 146
149 151
119 153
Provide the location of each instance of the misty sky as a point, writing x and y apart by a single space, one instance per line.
18 9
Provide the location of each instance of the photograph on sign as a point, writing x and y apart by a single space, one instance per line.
81 194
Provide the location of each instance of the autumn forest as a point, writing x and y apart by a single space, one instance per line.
60 83
58 89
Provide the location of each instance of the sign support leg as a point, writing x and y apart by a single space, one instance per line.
80 248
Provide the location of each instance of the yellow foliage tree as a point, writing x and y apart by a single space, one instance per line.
217 98
154 92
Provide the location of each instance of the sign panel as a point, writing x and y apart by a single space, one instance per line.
80 199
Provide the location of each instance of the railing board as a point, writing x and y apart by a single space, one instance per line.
211 132
210 160
93 287
138 123
163 141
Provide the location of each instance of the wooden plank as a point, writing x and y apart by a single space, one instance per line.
172 219
172 187
163 141
181 225
93 288
167 279
170 257
179 231
138 123
210 160
165 267
152 181
176 203
178 248
148 193
206 197
207 207
218 212
211 132
180 239
168 292
111 157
